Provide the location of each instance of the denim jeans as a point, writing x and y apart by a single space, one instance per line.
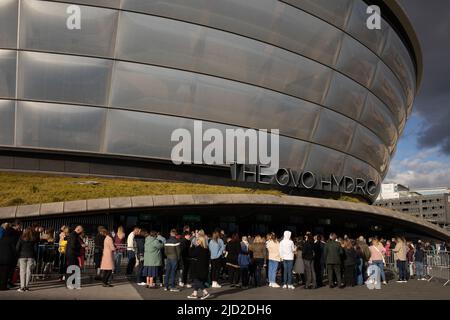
401 265
287 271
273 267
359 272
380 265
131 261
25 265
419 270
171 270
117 261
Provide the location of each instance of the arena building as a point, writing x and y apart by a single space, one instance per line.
97 87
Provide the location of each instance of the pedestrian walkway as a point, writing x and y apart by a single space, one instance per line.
125 290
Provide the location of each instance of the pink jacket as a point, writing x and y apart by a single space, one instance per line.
108 254
376 254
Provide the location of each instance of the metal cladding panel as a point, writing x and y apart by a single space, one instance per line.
137 70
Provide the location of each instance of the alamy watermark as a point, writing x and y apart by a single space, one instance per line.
73 281
373 22
73 21
238 145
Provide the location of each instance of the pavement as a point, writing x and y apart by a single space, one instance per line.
126 290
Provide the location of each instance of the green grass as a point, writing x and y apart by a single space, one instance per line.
21 188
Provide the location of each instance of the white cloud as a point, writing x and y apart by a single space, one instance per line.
419 171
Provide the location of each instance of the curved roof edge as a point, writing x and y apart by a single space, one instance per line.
93 206
399 12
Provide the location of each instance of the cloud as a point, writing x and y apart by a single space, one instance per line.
419 171
431 20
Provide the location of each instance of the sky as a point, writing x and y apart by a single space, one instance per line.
423 152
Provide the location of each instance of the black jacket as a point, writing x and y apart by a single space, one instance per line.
7 250
199 263
185 244
350 257
233 248
308 251
73 245
333 252
99 241
26 249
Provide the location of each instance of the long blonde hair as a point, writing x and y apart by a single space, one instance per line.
202 240
120 233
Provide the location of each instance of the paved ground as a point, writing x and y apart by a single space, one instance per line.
125 290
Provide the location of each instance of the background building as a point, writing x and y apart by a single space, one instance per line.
432 205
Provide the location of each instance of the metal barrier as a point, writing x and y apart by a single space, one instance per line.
48 259
435 265
438 265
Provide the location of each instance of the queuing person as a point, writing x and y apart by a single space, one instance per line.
48 252
7 256
232 250
216 249
361 242
333 256
26 252
62 247
172 250
273 249
185 243
199 254
140 250
308 261
259 253
410 259
83 245
287 250
350 258
419 259
98 249
119 243
73 250
244 265
131 250
152 258
400 250
319 264
377 252
108 262
299 265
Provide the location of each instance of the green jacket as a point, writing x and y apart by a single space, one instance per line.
332 252
152 252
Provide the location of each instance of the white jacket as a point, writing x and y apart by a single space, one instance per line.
130 242
287 247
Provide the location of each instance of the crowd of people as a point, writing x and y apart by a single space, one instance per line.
194 259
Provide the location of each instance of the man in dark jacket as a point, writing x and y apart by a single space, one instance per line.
185 244
73 250
172 250
333 260
318 260
7 257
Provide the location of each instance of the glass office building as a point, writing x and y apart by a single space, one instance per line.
104 99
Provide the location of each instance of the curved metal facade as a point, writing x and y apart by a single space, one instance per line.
138 69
